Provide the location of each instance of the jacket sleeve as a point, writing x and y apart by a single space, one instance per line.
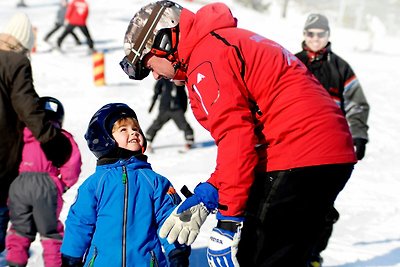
72 168
355 105
222 100
24 100
80 223
166 200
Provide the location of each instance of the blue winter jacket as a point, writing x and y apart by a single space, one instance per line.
117 214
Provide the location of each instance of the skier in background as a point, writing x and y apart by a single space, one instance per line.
60 20
173 105
340 81
76 16
35 196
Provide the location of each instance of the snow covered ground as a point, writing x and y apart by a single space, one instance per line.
368 232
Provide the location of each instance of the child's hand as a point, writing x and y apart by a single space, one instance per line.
68 261
179 257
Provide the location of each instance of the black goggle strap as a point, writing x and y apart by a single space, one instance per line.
155 16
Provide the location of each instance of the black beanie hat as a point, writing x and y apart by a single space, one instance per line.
316 21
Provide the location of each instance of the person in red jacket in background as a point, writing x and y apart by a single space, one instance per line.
76 16
284 148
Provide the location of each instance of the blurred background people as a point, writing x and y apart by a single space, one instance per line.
173 105
60 19
76 16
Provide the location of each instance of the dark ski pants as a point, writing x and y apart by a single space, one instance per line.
68 30
57 26
35 205
286 214
178 116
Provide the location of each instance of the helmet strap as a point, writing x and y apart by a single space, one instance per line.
180 70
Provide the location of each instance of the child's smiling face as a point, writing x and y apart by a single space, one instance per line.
126 133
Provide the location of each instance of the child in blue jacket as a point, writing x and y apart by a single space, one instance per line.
119 209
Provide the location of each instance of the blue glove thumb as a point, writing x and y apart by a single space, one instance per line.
203 193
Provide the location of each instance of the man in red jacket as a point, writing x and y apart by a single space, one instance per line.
284 148
76 16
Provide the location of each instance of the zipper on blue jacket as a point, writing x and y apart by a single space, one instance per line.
125 214
153 260
91 262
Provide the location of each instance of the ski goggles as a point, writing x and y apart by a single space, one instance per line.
164 45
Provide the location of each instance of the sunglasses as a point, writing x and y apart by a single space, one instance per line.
318 34
162 47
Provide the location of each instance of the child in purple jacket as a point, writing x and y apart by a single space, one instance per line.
35 196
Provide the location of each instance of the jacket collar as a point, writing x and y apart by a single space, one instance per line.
319 55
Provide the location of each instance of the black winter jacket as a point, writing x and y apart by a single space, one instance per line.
338 78
173 97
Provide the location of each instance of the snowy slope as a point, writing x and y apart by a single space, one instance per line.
368 233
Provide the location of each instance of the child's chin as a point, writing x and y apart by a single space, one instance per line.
134 148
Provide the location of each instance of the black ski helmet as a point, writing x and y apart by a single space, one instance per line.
53 108
98 135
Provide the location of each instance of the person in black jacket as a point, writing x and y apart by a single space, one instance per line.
19 107
338 78
173 105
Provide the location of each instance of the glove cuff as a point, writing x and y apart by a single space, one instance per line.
208 195
229 226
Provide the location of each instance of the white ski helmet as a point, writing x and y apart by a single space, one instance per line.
154 28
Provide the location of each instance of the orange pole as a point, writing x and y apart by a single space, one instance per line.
98 69
34 29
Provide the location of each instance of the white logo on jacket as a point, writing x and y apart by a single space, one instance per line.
200 77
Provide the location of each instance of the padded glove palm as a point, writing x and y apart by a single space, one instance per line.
185 221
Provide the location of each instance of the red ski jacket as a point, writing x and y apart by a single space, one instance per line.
263 108
77 12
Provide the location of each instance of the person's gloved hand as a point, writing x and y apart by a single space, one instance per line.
185 221
224 242
58 150
359 144
68 261
179 257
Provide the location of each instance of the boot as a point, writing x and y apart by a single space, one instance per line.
51 252
17 248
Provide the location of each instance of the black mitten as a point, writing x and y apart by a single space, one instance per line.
179 257
68 261
360 143
58 150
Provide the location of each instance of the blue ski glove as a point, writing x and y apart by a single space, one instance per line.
185 221
224 242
